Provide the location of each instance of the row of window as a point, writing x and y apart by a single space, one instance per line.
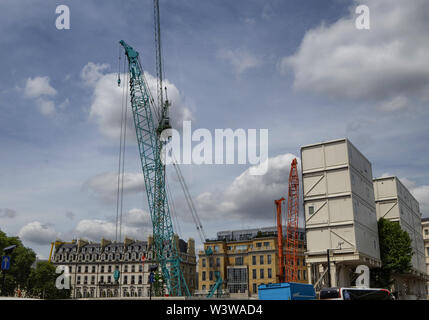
93 269
106 249
140 292
108 280
96 257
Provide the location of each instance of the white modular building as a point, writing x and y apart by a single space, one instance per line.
394 202
340 213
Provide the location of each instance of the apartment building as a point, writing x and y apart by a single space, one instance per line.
92 266
245 260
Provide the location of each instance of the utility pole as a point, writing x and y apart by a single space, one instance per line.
329 267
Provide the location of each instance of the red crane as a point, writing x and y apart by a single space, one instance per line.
292 225
280 238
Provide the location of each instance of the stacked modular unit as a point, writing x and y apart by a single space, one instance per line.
395 203
339 207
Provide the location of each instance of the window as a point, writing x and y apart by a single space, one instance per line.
93 269
261 259
211 262
311 210
101 279
140 268
270 275
426 232
304 273
254 260
255 288
217 262
261 273
132 279
203 276
70 269
299 275
259 244
78 279
109 268
85 280
254 273
125 280
427 250
92 280
140 279
79 269
211 275
269 259
126 268
109 279
239 261
86 269
204 287
133 268
266 244
204 263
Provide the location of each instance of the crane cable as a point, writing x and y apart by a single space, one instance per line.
189 200
121 161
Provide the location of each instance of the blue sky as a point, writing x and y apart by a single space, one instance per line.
297 68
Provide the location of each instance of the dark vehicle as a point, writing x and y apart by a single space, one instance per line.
355 294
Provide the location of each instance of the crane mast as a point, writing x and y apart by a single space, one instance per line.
150 145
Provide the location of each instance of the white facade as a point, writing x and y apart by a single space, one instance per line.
395 203
339 207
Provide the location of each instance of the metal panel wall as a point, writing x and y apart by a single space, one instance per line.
338 200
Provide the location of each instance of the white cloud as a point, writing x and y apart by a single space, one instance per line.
38 86
107 100
249 196
387 63
38 233
138 218
46 107
239 59
40 89
105 185
136 224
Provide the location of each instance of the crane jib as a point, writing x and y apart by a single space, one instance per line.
166 251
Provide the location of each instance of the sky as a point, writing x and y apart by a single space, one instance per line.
299 68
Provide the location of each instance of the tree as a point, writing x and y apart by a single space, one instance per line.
395 253
20 267
41 283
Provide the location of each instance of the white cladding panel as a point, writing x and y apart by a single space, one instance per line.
367 241
319 212
358 161
338 198
322 239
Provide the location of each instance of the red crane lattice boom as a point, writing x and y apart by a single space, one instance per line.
291 267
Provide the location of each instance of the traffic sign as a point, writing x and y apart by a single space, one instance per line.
5 262
151 278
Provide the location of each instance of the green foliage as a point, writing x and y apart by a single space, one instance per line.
395 253
21 260
42 280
